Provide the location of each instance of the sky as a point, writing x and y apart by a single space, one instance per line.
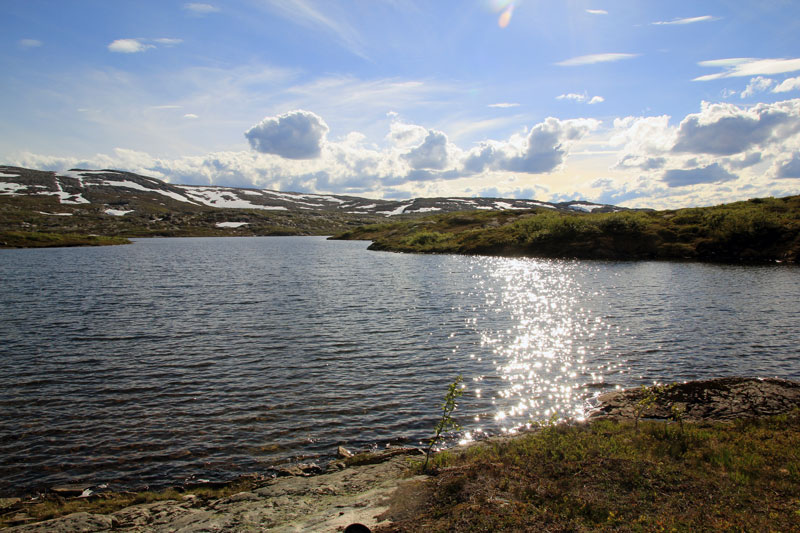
638 103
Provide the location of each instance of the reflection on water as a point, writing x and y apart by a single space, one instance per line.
173 359
540 350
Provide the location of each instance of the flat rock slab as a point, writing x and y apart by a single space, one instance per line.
324 503
721 399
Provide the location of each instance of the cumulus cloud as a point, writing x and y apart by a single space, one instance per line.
294 135
789 168
129 46
748 67
542 150
592 59
200 8
759 84
682 21
29 43
789 84
713 173
726 129
431 154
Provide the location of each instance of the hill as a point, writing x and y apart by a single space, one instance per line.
113 203
758 230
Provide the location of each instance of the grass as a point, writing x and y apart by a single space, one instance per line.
759 230
37 239
605 476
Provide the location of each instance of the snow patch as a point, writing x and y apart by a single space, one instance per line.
221 197
425 209
399 211
11 188
4 175
587 208
56 214
117 212
231 224
370 206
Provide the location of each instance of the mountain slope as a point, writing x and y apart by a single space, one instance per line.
117 203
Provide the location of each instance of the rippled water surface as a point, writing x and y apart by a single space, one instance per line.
178 359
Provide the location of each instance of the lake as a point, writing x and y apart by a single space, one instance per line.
173 360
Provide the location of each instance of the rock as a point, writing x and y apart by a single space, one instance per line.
343 453
73 523
721 399
301 470
68 491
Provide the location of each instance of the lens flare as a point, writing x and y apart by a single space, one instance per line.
505 17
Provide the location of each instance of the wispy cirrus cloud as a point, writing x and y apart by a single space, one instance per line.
306 13
748 67
592 59
29 43
503 105
198 8
597 11
682 21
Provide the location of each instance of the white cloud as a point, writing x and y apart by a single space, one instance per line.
726 129
294 135
129 46
200 8
543 150
592 59
757 85
133 46
581 98
789 84
748 67
190 116
681 21
504 104
597 11
29 43
432 154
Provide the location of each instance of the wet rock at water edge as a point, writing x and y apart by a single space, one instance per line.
720 399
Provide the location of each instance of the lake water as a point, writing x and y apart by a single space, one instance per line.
173 360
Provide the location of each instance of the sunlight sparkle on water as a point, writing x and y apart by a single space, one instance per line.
541 357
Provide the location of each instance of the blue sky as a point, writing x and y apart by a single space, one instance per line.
638 103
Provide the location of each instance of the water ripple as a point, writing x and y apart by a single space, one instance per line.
177 359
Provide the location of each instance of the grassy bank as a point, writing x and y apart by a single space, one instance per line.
759 230
35 239
607 476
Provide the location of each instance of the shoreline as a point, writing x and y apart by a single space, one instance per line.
357 488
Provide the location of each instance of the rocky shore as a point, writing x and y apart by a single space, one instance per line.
374 489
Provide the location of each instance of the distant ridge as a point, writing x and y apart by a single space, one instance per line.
81 186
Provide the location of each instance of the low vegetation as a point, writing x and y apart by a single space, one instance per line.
758 230
607 476
35 239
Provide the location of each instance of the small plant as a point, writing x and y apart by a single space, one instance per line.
649 397
454 391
